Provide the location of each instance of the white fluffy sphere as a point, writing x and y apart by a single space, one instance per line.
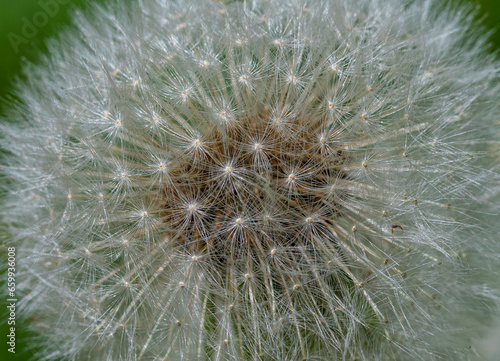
258 180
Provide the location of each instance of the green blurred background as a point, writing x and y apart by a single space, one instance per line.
16 49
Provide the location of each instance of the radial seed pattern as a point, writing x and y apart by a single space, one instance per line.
254 181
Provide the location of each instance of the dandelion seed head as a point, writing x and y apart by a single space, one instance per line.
241 180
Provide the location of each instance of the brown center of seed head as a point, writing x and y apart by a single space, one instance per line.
247 199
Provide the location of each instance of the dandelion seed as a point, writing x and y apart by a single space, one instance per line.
393 228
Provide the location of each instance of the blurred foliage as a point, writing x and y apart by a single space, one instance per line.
15 17
45 18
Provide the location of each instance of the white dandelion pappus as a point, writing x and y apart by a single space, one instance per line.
257 180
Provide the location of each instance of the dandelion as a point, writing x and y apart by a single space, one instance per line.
257 180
